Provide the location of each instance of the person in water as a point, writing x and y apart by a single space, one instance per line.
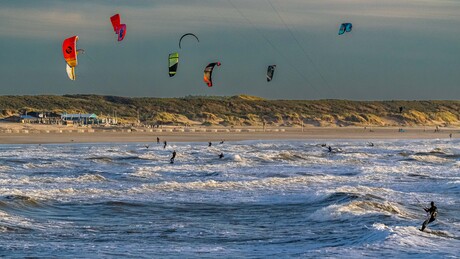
209 144
221 155
158 140
222 141
433 212
165 144
173 156
329 148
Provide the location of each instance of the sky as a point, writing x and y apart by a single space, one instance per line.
398 49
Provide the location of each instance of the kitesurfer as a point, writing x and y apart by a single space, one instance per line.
173 156
222 141
165 144
329 148
209 144
221 155
433 212
158 140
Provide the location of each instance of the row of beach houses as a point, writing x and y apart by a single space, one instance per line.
60 119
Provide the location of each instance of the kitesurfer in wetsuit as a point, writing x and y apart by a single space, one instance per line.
173 156
329 148
158 140
209 144
221 155
165 144
433 211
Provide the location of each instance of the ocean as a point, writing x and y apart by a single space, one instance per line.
262 199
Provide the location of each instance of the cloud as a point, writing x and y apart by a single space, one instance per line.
52 19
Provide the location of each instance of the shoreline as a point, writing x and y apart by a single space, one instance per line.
47 134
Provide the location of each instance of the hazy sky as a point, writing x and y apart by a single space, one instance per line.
398 49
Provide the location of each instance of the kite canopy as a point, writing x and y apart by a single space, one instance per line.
120 29
173 63
187 34
345 27
208 73
270 72
69 50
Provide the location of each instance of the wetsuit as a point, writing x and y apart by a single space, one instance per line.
221 155
209 144
173 156
433 213
158 140
166 143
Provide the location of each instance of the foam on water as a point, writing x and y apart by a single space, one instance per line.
263 199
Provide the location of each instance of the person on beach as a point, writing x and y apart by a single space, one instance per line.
173 156
221 155
165 144
158 140
433 212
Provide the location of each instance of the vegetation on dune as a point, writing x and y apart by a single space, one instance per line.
242 110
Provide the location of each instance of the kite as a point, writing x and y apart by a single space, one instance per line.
70 52
187 34
270 72
208 73
345 27
173 63
120 29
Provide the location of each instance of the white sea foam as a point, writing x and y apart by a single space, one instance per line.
262 196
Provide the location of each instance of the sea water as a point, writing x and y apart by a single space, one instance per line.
262 199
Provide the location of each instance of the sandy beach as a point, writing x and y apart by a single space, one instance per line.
14 133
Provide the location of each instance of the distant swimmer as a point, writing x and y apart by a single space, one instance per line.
165 144
323 145
209 144
158 140
371 144
173 157
221 155
433 212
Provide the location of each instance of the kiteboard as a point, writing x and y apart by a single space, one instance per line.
438 233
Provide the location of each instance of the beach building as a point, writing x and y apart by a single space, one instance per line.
26 118
80 118
46 117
